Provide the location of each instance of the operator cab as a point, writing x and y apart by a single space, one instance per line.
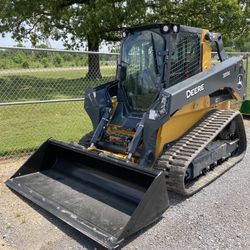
152 58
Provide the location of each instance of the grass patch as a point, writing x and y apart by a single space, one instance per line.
23 128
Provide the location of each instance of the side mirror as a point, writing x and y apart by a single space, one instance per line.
121 72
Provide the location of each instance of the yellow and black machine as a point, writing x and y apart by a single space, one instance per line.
164 124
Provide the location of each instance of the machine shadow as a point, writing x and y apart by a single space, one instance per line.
246 117
174 199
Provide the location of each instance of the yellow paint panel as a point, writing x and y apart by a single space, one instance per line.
236 96
114 104
112 128
206 52
185 119
181 122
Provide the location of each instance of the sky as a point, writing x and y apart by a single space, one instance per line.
8 41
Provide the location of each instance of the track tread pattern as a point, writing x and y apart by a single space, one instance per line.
175 160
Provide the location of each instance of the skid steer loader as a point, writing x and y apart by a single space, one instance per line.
165 123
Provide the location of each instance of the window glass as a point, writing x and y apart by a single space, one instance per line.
143 68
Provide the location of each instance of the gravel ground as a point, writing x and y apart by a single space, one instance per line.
218 217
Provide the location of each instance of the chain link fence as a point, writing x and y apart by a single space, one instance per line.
41 94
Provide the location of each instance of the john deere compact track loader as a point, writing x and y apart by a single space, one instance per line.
165 123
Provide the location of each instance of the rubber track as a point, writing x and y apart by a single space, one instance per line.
176 159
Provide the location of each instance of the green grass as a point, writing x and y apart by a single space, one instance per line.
72 74
25 127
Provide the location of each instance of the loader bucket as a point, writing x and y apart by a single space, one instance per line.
105 199
245 108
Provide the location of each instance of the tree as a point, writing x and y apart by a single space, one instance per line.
78 22
20 45
73 21
228 17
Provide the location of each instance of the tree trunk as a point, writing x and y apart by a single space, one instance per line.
93 61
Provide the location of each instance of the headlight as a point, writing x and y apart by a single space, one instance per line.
165 28
175 28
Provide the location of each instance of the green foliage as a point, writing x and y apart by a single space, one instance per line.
18 59
240 44
74 21
25 65
77 21
46 62
20 45
228 17
57 61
